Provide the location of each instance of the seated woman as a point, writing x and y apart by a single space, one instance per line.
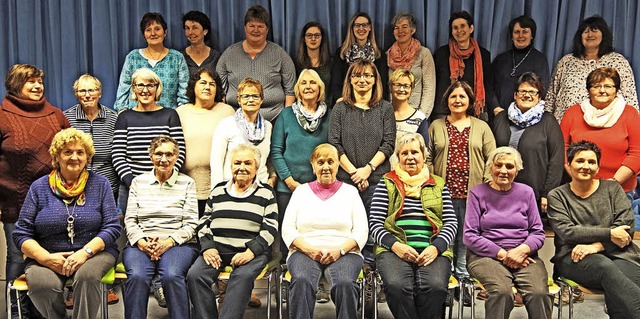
594 229
161 218
238 228
325 228
413 223
68 227
503 233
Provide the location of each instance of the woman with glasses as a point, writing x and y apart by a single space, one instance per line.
536 134
607 120
313 54
359 44
135 128
169 64
407 53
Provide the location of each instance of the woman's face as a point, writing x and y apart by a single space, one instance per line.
33 89
194 32
145 91
521 36
205 89
503 171
401 89
591 38
402 31
309 88
250 100
363 81
584 166
256 32
602 93
88 94
313 38
326 167
411 158
526 97
243 167
154 34
458 101
164 158
72 160
461 30
361 29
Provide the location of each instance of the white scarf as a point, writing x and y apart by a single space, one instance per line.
605 117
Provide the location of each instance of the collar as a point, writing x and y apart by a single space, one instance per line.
80 115
169 182
232 190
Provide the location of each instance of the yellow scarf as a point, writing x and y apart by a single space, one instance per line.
412 184
69 193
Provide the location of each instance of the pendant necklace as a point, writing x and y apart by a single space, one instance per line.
70 220
513 57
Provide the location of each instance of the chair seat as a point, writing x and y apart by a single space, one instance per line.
287 276
591 291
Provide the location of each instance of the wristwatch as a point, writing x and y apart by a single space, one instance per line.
88 251
342 252
373 167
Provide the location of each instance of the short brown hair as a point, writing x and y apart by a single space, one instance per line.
467 89
250 82
161 139
600 74
18 75
258 13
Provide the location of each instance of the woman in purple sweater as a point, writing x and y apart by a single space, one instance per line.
503 237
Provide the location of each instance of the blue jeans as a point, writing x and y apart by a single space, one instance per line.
201 276
305 276
14 267
460 250
172 270
635 206
367 250
123 199
414 292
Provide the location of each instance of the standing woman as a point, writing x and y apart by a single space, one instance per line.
536 135
197 29
313 54
592 49
459 145
523 57
407 53
463 59
167 63
27 125
359 43
199 120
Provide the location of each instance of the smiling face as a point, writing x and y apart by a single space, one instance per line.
526 97
256 32
411 158
145 91
154 34
33 89
504 171
361 29
309 88
521 36
243 167
164 158
250 100
458 101
313 38
591 39
584 166
403 32
88 94
72 160
461 32
603 93
325 165
363 81
194 32
205 89
401 89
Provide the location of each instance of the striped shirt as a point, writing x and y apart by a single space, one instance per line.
415 224
133 135
162 210
101 130
379 213
231 224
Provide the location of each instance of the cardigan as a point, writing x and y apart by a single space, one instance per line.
619 144
504 85
43 217
172 71
291 148
424 77
26 130
542 149
481 143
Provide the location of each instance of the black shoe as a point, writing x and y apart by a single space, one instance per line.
449 300
467 300
368 291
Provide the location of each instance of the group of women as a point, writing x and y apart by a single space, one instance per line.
325 161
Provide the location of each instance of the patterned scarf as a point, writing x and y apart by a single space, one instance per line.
606 117
456 67
325 192
397 60
412 184
309 121
528 118
69 193
252 132
357 52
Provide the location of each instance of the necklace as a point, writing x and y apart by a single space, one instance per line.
513 57
70 220
151 55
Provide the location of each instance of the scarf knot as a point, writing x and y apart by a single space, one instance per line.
528 118
397 60
606 117
412 183
307 120
252 132
69 193
456 68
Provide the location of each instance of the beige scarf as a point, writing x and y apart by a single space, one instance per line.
606 117
412 184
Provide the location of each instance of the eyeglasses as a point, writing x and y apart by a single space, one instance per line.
250 96
606 87
399 86
90 91
159 155
527 92
361 25
313 36
366 76
140 87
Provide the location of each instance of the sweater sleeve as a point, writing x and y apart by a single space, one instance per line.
360 229
423 129
289 224
119 150
124 84
278 140
111 228
219 144
204 233
428 82
388 130
183 78
288 73
335 128
555 149
536 237
269 228
554 86
378 215
564 226
134 230
473 238
627 82
189 216
175 131
632 158
447 234
26 224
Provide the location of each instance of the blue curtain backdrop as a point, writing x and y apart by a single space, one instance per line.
67 38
